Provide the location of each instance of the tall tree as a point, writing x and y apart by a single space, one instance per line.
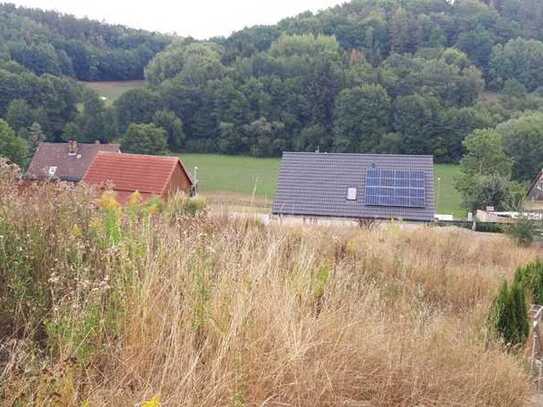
518 59
485 173
269 138
19 114
12 147
485 154
523 142
173 126
362 118
136 106
144 139
416 119
399 32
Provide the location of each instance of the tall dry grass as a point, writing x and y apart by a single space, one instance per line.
119 305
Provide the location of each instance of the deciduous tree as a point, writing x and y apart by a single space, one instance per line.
12 147
362 117
144 139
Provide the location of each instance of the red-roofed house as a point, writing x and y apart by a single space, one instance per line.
150 175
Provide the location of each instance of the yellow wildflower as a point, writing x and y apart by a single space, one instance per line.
76 231
108 201
154 402
134 199
95 223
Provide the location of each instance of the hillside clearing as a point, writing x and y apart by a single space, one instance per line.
112 90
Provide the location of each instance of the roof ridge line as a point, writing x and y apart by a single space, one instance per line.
162 157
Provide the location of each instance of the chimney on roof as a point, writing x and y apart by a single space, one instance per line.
72 147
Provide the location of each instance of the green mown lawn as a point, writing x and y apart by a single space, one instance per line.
238 174
248 175
448 199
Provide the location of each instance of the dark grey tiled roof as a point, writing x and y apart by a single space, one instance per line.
69 167
316 184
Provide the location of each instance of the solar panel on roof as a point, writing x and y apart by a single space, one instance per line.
401 188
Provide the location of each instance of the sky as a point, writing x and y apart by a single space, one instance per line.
200 19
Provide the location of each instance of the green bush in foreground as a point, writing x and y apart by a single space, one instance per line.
530 277
509 314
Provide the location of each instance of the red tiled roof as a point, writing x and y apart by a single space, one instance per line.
69 167
147 174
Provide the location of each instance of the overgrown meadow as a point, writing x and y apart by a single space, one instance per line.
103 305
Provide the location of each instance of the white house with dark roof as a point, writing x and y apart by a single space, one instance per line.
356 186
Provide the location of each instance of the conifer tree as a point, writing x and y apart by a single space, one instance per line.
509 316
531 278
520 309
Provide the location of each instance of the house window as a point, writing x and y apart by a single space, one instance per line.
351 194
52 171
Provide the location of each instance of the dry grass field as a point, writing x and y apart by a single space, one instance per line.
102 305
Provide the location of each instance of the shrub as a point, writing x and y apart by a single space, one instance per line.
194 205
182 205
509 315
530 277
524 231
487 227
154 205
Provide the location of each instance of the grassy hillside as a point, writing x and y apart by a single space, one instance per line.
97 308
244 176
113 89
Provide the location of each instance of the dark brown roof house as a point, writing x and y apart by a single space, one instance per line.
65 161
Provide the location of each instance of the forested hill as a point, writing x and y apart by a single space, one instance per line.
59 44
367 76
381 27
388 76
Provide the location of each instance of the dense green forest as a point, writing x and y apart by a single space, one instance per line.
390 76
49 42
